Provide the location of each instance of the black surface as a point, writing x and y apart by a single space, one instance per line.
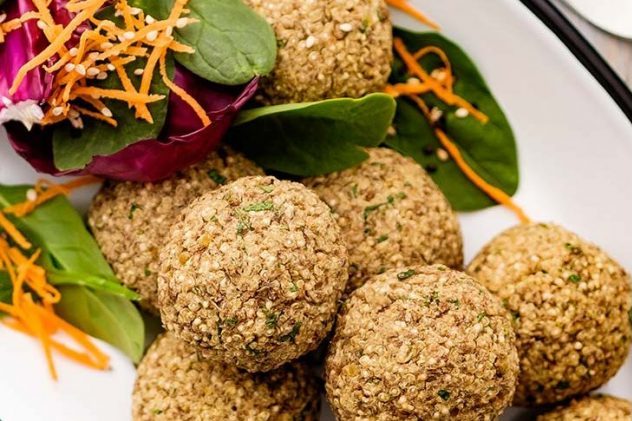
584 52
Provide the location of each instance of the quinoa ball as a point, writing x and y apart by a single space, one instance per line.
592 408
327 48
422 342
570 304
391 214
130 220
252 273
174 383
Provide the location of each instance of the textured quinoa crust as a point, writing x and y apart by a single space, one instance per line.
173 383
130 220
592 408
570 304
252 273
423 342
327 48
392 214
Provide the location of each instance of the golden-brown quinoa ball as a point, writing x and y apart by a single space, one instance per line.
130 220
570 302
421 343
592 408
391 214
327 48
175 384
252 273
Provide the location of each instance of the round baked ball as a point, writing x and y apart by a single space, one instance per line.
327 48
391 214
423 342
592 408
174 383
130 220
252 273
570 303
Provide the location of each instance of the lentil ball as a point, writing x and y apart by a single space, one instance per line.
570 303
422 342
592 408
174 383
327 48
130 220
252 273
391 214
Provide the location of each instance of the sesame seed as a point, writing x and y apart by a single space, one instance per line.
3 17
31 195
169 31
413 81
110 67
391 131
57 111
310 41
129 35
346 27
435 114
134 11
118 13
93 55
138 72
106 112
462 113
439 74
79 68
73 52
102 76
442 154
73 114
69 67
93 71
182 22
149 19
77 123
152 35
106 45
41 24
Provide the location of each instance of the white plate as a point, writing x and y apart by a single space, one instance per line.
575 149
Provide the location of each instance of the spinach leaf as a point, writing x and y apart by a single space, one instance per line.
313 138
5 289
232 43
490 149
109 285
74 149
57 229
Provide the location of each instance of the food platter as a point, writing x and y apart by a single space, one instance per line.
575 151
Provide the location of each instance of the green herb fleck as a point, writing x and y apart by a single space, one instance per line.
147 271
133 208
291 335
481 316
433 298
406 274
252 351
382 238
572 248
456 302
575 278
354 191
293 288
216 177
230 322
243 224
515 314
260 206
372 208
272 318
444 394
156 411
267 189
381 270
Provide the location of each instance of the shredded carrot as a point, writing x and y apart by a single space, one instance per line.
14 233
407 89
32 312
494 192
437 88
197 108
405 7
46 190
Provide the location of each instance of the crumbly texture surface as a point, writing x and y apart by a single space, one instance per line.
392 214
130 220
570 304
592 408
423 342
327 48
174 383
252 273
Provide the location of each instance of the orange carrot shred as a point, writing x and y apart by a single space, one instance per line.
13 232
405 7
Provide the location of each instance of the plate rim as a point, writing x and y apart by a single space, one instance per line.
584 51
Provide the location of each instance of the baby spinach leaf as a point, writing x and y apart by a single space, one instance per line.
74 149
58 230
490 149
232 43
5 289
313 138
109 285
